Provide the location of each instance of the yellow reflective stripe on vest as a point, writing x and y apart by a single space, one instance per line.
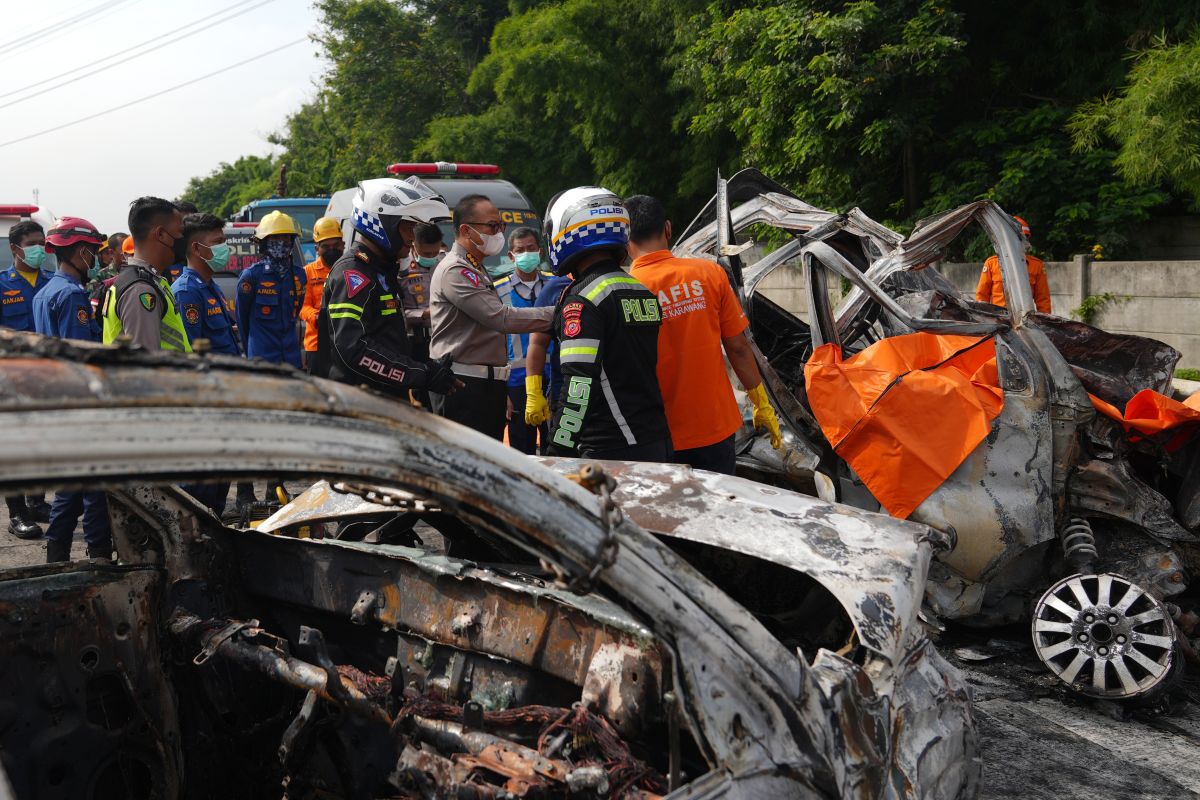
604 288
345 306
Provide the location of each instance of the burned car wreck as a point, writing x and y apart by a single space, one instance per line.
441 616
1056 508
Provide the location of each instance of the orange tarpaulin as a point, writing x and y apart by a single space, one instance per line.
906 411
1149 413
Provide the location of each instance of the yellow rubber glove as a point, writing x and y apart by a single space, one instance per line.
764 415
537 410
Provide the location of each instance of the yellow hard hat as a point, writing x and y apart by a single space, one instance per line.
275 223
326 228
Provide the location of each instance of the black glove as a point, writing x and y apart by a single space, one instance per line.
441 378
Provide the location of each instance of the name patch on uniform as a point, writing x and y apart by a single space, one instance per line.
471 276
82 315
147 300
191 313
355 281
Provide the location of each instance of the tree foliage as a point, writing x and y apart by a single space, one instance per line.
901 107
1154 120
230 186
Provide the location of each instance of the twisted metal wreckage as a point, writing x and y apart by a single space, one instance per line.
439 616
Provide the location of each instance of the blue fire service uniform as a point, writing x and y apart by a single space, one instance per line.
268 309
206 316
63 309
205 313
16 298
552 292
520 295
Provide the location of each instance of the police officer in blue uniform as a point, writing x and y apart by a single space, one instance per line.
18 286
521 289
206 314
63 309
270 294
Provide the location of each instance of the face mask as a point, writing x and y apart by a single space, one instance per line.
528 262
34 255
491 244
330 257
279 250
428 262
220 257
92 263
94 272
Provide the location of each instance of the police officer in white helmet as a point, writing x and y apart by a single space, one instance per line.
361 336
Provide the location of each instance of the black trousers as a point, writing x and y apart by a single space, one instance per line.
521 435
419 344
660 451
716 457
479 404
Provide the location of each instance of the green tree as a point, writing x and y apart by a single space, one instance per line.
1154 120
230 186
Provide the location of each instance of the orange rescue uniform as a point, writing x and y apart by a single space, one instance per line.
699 309
317 272
991 287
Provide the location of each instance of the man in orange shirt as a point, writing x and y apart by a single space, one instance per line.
328 236
991 287
701 317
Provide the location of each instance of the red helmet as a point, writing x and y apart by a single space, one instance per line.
69 230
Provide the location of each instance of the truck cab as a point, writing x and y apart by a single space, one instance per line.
305 210
453 181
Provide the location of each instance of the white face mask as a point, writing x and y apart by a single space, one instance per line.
492 244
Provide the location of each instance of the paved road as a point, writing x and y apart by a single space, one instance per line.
1040 742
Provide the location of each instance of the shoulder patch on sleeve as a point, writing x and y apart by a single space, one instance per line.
148 300
82 315
245 288
191 313
355 282
470 275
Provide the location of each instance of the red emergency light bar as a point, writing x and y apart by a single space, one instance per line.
444 168
17 211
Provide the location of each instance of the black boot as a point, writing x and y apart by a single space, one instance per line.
39 508
57 551
102 552
22 527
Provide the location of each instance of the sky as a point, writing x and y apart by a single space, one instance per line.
95 168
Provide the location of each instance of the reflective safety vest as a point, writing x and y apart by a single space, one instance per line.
171 333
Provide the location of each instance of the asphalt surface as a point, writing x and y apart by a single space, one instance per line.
1038 740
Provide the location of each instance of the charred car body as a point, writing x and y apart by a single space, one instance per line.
1056 508
482 628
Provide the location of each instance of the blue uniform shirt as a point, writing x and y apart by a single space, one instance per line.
268 306
552 291
63 309
205 315
518 295
16 298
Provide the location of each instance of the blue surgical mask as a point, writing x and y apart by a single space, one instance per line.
428 262
94 272
528 262
34 255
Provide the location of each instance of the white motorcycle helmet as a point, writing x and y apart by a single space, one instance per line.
382 203
583 219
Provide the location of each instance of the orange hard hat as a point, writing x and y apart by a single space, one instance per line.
127 246
1024 226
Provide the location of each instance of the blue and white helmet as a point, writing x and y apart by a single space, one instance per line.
583 219
382 203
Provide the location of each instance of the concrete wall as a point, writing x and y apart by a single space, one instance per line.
1164 296
1163 304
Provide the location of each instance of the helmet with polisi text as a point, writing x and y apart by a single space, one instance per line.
582 220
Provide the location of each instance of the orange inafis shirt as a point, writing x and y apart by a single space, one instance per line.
699 309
